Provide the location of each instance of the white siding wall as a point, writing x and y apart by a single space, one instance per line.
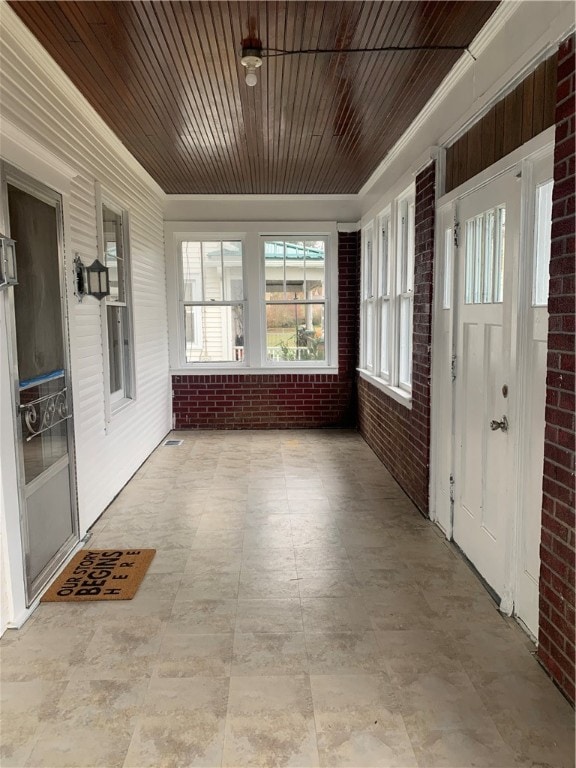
46 123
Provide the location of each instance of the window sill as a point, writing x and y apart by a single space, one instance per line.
116 411
400 395
245 371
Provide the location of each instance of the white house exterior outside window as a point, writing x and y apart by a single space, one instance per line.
212 301
387 299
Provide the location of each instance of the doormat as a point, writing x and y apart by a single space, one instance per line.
100 574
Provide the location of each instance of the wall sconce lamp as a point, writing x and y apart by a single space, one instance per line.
7 261
91 281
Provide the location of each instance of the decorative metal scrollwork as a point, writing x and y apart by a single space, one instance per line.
44 413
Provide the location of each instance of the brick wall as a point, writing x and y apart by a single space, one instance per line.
401 437
556 631
279 400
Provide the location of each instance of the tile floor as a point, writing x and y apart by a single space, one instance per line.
299 612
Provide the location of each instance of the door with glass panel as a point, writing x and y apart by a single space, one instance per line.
485 381
42 398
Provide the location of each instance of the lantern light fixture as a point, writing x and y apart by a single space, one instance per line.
7 261
93 280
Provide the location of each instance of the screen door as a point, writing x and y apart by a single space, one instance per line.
42 400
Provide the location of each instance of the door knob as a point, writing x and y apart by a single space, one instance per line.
503 425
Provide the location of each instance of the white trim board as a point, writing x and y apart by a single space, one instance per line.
258 198
23 151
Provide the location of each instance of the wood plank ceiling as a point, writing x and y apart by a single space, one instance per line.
166 77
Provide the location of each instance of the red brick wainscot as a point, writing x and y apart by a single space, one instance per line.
399 436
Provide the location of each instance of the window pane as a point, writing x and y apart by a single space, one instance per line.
478 243
499 254
448 246
232 266
409 257
470 250
295 332
42 405
384 346
368 288
214 334
114 253
488 277
406 341
212 271
274 267
315 268
542 244
192 271
117 349
369 335
295 276
384 259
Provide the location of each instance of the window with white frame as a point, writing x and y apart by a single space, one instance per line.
405 291
247 313
212 301
385 295
294 296
368 298
484 258
387 302
115 254
542 243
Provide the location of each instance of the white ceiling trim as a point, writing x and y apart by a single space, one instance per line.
257 198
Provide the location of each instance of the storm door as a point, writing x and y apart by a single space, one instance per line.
42 398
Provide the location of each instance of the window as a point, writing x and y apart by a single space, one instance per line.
253 299
368 298
448 257
116 256
294 272
384 298
387 301
212 301
484 261
542 244
405 288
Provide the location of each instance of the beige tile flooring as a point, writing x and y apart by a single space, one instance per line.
299 612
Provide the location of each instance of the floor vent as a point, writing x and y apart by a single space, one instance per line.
173 442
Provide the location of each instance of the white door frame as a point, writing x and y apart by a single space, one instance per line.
31 186
22 151
442 439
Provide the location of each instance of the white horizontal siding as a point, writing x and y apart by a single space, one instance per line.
39 100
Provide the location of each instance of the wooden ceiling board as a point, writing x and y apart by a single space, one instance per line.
166 77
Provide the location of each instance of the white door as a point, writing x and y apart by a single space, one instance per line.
484 491
533 362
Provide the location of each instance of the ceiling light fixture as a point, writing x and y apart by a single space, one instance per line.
251 59
253 53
